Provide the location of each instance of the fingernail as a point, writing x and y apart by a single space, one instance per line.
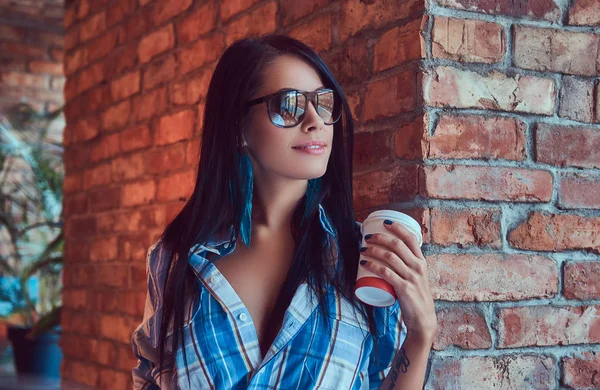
363 262
363 249
368 236
388 222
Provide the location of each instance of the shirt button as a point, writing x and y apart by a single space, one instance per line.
243 317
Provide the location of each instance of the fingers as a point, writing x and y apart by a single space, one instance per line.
397 246
386 259
409 238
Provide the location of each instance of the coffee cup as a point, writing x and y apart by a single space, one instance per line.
370 288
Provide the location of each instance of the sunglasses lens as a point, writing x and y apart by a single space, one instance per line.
327 107
284 108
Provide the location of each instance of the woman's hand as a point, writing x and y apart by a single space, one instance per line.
397 258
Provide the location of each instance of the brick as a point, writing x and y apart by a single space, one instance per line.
125 86
116 117
293 10
315 33
104 249
84 373
120 60
106 353
585 13
113 379
468 40
160 70
138 193
53 68
92 27
126 359
487 183
104 44
112 275
577 99
128 167
75 60
262 20
391 96
463 327
72 183
107 147
165 159
398 46
166 10
96 176
155 43
530 326
90 77
357 15
556 50
579 191
75 299
192 155
192 89
149 104
567 146
57 55
372 148
534 9
20 79
232 8
450 87
117 328
178 186
103 199
137 274
410 140
83 9
197 23
76 204
581 280
79 322
93 100
509 372
397 184
543 231
85 129
491 277
466 227
477 137
71 38
22 50
581 371
135 138
350 64
175 127
117 11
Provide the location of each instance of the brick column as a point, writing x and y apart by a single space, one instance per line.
468 117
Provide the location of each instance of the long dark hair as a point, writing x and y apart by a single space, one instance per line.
236 78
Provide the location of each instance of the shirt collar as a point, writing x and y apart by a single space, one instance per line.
225 241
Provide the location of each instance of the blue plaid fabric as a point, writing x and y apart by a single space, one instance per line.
310 351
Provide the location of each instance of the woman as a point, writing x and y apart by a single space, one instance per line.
255 275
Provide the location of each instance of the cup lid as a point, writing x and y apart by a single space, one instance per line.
409 222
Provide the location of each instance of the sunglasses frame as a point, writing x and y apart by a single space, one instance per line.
309 96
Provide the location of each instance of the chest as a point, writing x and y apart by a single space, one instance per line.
257 275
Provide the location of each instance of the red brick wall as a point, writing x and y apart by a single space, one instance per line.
31 53
477 117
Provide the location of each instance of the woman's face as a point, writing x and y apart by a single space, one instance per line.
272 147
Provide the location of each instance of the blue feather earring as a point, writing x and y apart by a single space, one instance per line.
312 193
245 166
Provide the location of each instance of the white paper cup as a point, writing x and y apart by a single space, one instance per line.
370 288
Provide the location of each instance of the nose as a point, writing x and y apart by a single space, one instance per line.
312 120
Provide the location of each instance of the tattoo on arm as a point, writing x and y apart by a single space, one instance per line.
401 362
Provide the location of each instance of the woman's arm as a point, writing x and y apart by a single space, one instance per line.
397 258
409 366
